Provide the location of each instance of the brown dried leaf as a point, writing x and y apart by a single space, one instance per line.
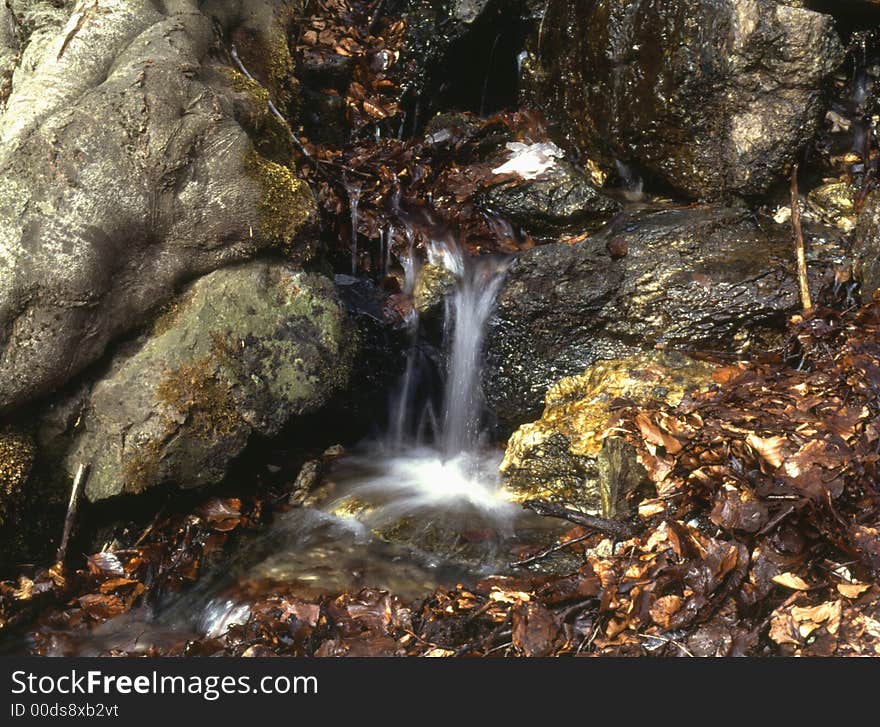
769 448
792 581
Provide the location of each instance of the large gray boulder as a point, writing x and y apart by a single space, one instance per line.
243 351
132 158
696 279
713 97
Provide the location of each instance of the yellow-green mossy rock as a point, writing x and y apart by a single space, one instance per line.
434 283
835 203
245 350
560 456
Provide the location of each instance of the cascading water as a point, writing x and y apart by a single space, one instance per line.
354 198
411 511
467 311
428 463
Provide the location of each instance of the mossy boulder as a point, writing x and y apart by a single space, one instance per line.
133 158
244 351
567 455
434 283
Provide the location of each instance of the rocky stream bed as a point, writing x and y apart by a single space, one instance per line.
440 327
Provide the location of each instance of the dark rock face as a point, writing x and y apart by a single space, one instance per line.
866 247
131 162
245 350
380 361
562 198
714 97
692 279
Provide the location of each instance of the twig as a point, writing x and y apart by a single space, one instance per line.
776 519
318 164
82 474
552 549
666 640
272 107
612 528
803 281
151 526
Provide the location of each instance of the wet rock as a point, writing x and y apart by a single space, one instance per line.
834 203
714 97
565 456
560 199
245 350
131 162
433 27
17 455
866 247
380 361
434 283
693 279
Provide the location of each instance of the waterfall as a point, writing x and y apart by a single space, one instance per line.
467 309
467 312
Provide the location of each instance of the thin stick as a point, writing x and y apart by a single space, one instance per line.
552 549
614 528
803 282
318 164
82 473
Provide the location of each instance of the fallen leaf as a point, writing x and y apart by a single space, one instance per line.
852 590
769 448
790 580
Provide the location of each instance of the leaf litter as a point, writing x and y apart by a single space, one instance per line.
760 535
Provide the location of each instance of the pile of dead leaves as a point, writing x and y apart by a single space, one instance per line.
170 554
400 189
405 193
357 38
765 526
760 536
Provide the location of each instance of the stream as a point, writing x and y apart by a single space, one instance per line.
420 508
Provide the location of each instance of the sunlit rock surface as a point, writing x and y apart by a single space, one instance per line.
713 97
132 159
558 457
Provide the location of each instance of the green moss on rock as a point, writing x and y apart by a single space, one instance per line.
252 347
286 202
194 391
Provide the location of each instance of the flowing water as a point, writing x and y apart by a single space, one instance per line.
418 508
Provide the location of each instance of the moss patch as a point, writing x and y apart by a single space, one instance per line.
555 457
244 85
286 202
194 391
17 455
